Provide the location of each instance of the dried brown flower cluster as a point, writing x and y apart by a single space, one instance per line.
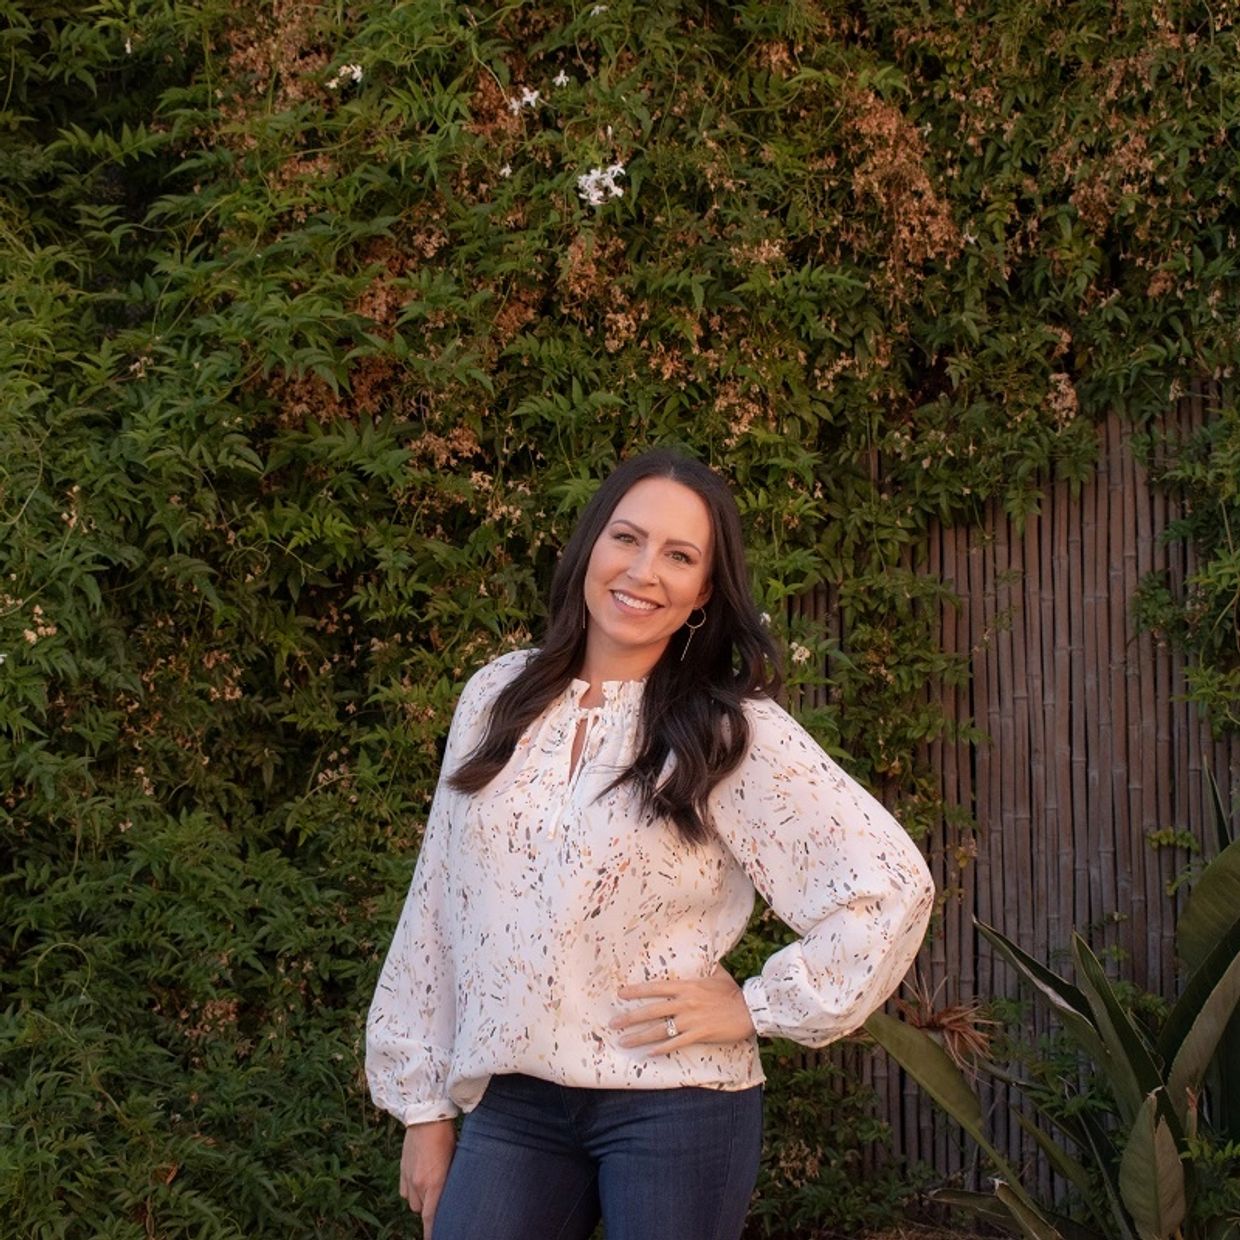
1062 399
444 451
273 63
490 116
588 270
740 407
893 175
960 1028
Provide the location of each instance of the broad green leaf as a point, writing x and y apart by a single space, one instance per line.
1207 918
1211 909
1031 1222
1151 1175
930 1065
985 1205
932 1068
1059 1158
1103 1150
1198 1022
1066 1000
1129 1065
1222 820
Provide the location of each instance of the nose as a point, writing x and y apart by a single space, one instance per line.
641 567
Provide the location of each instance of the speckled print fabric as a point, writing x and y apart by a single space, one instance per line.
535 900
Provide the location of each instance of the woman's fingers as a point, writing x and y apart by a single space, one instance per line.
667 1045
709 1009
647 1012
429 1206
424 1162
643 1036
652 990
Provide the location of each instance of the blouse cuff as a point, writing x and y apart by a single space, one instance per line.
754 992
428 1112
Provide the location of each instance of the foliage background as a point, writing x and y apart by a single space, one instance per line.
306 372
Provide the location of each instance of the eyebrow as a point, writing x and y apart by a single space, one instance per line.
679 542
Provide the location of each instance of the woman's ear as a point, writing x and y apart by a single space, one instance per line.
704 595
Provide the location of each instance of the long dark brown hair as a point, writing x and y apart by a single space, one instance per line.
691 707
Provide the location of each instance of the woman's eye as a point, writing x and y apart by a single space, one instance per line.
681 557
621 536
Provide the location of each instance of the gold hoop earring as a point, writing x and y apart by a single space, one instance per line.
693 628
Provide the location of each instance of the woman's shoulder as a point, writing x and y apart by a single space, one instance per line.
478 694
492 677
765 715
774 734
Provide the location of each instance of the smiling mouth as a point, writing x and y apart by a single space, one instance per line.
632 602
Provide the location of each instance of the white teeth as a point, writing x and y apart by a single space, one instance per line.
629 601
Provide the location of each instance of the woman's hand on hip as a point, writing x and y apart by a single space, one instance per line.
424 1162
683 1011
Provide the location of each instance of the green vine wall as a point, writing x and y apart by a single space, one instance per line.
319 322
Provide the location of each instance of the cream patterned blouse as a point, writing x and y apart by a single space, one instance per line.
536 899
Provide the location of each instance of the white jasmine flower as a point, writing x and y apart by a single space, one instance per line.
561 78
128 46
599 184
344 74
765 617
529 99
506 170
597 9
800 654
3 657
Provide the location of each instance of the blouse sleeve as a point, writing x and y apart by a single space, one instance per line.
836 866
412 1019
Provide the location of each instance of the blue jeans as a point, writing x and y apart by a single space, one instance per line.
538 1161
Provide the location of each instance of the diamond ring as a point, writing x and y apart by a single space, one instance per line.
671 1026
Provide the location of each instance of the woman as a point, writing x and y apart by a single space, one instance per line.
609 804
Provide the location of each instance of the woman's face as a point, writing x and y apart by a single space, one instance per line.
649 569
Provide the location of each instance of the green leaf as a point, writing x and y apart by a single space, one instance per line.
1031 1223
1151 1175
1211 908
1222 822
930 1065
985 1205
1063 1162
1207 919
1068 1002
1103 1150
1129 1065
932 1068
1197 1023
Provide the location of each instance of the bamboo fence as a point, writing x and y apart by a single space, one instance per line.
1092 748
